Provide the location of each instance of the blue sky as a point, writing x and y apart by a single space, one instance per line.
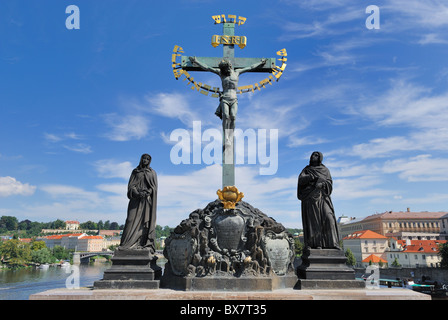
79 107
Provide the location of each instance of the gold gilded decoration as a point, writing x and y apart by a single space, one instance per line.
277 72
211 260
179 72
229 196
239 41
231 18
205 89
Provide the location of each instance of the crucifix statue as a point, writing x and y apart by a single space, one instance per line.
228 105
228 68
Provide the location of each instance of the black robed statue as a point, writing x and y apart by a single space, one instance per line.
139 230
314 189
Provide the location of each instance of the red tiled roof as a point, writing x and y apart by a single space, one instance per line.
364 234
374 259
423 246
92 237
60 236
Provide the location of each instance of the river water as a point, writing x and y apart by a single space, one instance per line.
20 284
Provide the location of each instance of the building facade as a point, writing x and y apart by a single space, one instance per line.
415 253
364 244
401 225
71 225
91 243
76 241
68 241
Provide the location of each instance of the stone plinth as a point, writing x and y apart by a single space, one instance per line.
326 269
238 249
228 283
131 269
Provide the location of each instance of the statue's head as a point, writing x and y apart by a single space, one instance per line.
225 65
316 158
145 161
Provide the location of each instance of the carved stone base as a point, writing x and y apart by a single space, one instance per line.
237 249
228 283
131 269
326 269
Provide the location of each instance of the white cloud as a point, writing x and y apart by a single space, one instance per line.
304 141
419 168
79 147
80 204
67 138
52 137
272 110
432 38
416 14
359 187
128 127
113 169
325 18
408 104
420 114
9 186
173 105
69 192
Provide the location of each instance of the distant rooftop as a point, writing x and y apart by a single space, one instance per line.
364 234
399 215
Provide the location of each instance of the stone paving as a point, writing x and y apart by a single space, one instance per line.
281 294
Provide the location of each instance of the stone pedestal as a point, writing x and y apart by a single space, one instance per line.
326 269
239 249
131 269
227 283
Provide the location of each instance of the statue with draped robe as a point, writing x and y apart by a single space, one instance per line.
139 229
318 219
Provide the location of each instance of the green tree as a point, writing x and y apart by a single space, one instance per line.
443 253
396 263
38 245
61 253
89 225
158 231
15 252
24 224
114 226
42 256
58 224
9 223
298 247
351 260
